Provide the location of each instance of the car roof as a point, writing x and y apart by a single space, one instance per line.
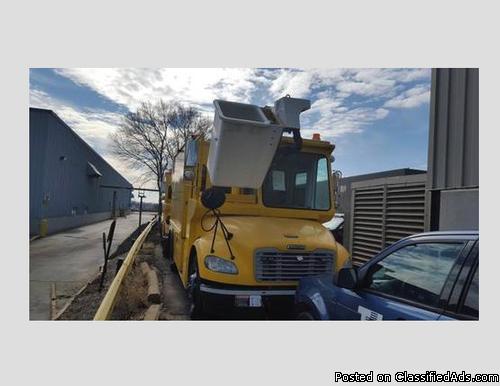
469 234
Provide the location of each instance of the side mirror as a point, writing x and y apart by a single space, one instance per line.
347 278
338 234
213 198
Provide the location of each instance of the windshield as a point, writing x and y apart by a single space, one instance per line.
297 180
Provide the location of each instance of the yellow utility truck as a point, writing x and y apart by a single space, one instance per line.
247 246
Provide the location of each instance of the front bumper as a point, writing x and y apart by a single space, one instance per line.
241 292
222 298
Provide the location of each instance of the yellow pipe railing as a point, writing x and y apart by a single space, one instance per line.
108 303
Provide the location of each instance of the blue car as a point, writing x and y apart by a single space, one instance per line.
429 276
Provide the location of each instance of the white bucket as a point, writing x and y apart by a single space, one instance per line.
243 145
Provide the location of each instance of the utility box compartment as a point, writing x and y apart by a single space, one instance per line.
242 146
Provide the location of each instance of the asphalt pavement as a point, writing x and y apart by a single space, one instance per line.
70 259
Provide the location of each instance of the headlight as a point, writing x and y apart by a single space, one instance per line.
218 264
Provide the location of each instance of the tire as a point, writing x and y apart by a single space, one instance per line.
170 251
170 246
194 292
165 246
304 315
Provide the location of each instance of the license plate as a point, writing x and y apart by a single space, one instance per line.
248 301
255 301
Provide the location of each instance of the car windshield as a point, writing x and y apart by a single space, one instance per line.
297 180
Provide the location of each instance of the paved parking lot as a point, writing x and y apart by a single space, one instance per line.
70 259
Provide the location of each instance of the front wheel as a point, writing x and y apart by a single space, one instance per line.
194 289
305 316
170 251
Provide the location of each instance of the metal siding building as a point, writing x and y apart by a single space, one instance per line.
65 186
453 159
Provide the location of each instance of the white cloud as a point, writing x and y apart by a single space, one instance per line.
410 98
332 118
344 100
199 86
411 74
196 86
295 83
332 114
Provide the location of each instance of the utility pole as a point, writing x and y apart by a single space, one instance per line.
141 196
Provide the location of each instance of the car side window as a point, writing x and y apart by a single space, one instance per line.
471 302
415 272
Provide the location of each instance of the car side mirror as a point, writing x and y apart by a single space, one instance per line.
347 278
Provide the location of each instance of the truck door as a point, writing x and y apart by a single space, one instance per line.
406 284
178 208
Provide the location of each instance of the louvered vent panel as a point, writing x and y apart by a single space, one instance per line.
383 215
367 223
404 216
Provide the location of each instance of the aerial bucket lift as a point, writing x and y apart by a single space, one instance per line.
245 139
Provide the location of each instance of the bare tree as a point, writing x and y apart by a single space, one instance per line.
185 122
150 138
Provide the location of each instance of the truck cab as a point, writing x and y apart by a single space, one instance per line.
274 234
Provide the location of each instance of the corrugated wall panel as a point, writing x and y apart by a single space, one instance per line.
38 143
454 133
453 157
456 115
67 181
471 136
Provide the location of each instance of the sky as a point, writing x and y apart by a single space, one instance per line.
378 119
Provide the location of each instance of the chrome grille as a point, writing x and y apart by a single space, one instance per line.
274 265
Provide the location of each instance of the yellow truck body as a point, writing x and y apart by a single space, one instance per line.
277 231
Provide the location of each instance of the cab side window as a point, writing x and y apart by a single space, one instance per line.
322 192
471 302
191 153
415 272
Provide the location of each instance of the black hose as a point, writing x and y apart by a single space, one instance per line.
215 226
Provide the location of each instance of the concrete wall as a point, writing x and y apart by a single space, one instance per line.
61 187
453 158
